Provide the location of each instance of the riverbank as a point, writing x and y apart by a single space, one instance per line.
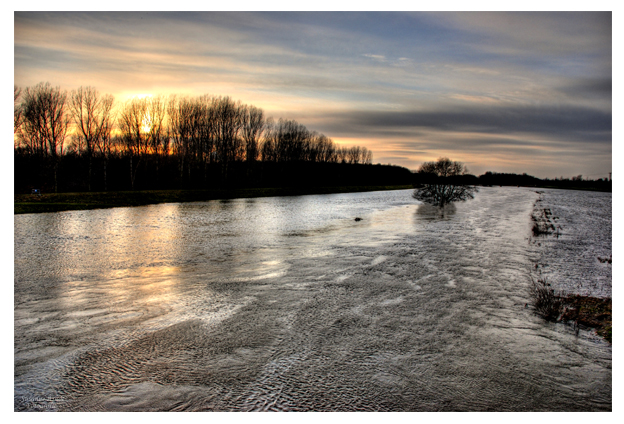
56 202
573 267
589 312
590 188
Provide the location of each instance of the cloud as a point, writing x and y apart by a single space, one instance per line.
560 121
376 57
589 88
533 33
484 83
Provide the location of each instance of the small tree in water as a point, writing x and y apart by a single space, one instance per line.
444 183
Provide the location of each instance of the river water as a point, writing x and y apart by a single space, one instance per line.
290 304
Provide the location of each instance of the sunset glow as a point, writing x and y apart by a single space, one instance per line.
505 92
303 211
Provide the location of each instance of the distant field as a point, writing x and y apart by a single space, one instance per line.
26 203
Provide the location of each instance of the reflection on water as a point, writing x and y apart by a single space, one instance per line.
291 304
429 212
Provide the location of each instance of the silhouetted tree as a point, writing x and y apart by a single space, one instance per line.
252 127
444 183
132 124
45 119
205 135
154 126
91 114
326 149
17 109
45 123
183 116
104 143
269 142
227 126
342 154
367 156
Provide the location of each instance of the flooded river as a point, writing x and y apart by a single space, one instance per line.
291 304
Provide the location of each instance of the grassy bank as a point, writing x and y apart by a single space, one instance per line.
582 311
589 312
26 203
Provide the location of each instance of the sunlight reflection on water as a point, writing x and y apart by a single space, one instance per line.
291 303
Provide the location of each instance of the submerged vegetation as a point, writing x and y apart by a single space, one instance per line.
582 311
442 185
543 220
590 312
546 303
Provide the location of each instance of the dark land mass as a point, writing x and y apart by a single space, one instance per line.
51 202
519 180
64 183
70 174
583 311
589 312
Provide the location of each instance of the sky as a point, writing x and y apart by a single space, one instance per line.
503 92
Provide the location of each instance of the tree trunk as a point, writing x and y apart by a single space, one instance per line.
55 176
181 171
131 175
105 163
90 167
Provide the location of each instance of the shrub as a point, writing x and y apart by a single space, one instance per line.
546 302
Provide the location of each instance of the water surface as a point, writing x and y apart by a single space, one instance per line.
288 303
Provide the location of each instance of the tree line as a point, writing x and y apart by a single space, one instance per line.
457 174
85 141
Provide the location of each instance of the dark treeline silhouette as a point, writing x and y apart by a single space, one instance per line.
509 179
576 182
82 141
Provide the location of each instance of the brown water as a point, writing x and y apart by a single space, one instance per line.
290 304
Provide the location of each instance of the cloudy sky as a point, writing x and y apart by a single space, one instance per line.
506 92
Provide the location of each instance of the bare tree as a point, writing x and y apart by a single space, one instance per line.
191 128
104 142
252 127
444 185
154 125
293 139
444 167
326 149
45 119
45 122
203 133
75 145
155 131
17 110
267 149
341 154
91 114
178 128
204 129
132 124
227 118
354 154
367 156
